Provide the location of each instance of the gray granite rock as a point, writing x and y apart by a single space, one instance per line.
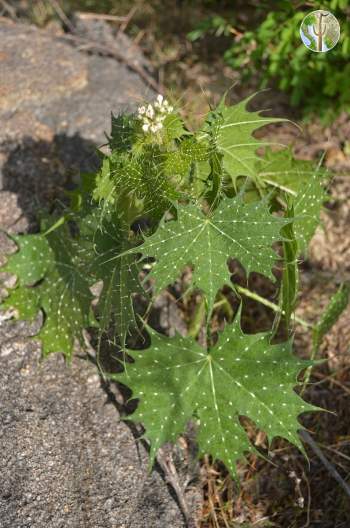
66 458
55 108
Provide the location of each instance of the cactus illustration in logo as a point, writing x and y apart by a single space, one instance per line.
320 31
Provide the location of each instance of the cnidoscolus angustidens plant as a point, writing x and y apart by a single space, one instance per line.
201 198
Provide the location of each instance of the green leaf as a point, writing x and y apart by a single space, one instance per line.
25 301
281 170
32 262
330 316
80 198
122 133
300 179
143 179
188 152
104 186
235 229
235 138
120 279
63 293
307 208
173 127
242 375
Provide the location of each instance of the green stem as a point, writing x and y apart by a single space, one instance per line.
57 224
269 304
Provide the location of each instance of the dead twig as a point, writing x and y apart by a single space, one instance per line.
127 20
330 380
9 9
91 45
166 463
330 468
86 15
61 14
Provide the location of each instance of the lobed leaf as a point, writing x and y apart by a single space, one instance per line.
281 170
120 280
234 229
176 380
307 208
63 293
235 140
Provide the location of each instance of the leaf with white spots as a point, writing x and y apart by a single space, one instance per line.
104 185
119 276
279 169
24 300
301 180
31 263
307 208
235 229
188 153
63 291
173 127
142 180
235 140
176 380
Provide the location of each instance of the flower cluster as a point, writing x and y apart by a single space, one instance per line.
152 117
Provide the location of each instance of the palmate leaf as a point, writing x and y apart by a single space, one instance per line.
143 179
119 275
24 300
122 132
115 306
281 170
104 184
301 180
187 154
235 229
55 273
63 291
173 127
176 380
235 140
32 261
307 208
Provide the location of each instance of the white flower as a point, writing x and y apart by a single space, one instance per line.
153 115
150 111
155 127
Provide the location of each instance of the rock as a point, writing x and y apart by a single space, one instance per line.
55 107
99 31
66 458
39 73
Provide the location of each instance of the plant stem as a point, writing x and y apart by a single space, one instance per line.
269 304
